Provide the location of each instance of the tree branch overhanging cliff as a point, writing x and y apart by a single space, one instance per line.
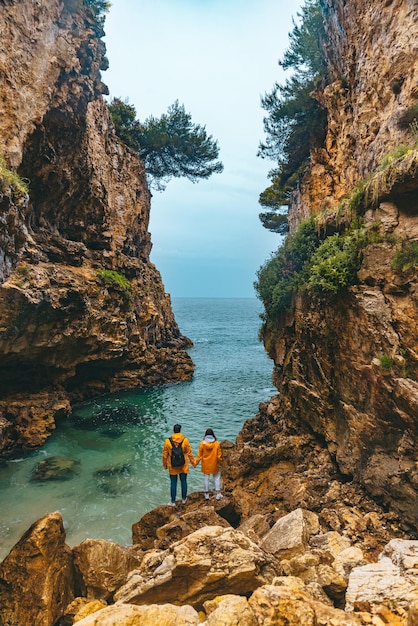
99 8
295 123
170 146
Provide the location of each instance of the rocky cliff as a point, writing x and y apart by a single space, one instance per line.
346 363
319 522
371 83
82 309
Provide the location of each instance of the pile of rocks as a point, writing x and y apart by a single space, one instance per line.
196 568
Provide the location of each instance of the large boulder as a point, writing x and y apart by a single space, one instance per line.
393 580
324 566
129 615
187 523
287 603
164 525
209 562
37 577
229 609
102 567
80 608
290 534
255 527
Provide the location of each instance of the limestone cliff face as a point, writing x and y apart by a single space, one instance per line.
372 79
346 366
82 309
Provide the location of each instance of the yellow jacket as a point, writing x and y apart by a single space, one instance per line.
211 455
188 454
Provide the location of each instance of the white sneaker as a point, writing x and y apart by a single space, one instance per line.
206 496
184 501
219 496
171 504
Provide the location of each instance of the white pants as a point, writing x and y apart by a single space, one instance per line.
216 479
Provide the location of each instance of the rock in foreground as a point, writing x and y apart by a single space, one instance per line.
215 575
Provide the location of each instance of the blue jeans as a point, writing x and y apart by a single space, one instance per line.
173 486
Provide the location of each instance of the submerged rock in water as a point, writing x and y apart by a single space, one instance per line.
114 470
56 468
114 479
111 417
108 416
112 433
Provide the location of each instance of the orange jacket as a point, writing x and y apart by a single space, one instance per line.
211 455
188 454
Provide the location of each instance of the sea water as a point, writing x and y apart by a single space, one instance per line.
116 440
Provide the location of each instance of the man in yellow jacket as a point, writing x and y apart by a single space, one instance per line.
176 440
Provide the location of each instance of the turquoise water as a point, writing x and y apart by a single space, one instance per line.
117 439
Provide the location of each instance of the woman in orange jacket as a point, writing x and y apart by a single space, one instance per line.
210 454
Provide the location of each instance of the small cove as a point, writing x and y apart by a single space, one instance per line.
116 440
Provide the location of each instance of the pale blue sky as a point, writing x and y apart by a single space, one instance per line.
217 57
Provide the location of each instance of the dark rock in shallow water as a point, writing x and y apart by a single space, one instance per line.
112 433
114 480
114 470
111 418
56 468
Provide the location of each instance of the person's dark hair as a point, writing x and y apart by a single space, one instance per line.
177 428
209 431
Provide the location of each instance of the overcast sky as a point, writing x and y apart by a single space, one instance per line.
217 57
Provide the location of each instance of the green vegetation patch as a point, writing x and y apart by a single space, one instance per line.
307 263
386 362
23 270
334 265
9 180
112 277
395 166
285 272
406 258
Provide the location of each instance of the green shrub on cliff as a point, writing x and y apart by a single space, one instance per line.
305 263
334 265
386 361
111 277
285 272
394 167
9 180
389 158
127 127
407 257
